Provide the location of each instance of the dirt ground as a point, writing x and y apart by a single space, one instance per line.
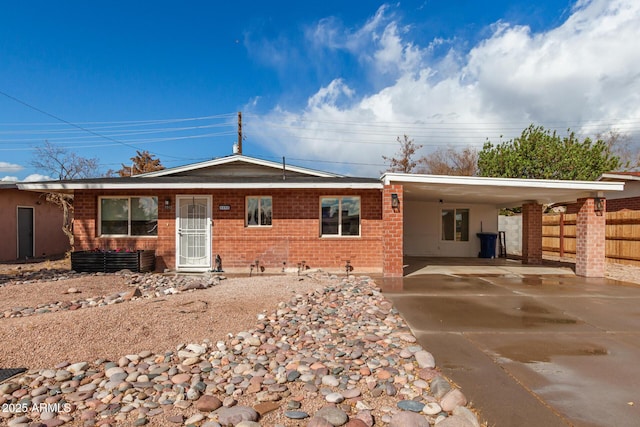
157 324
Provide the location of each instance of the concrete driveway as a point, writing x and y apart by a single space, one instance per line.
529 346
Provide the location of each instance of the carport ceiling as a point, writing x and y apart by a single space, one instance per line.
501 192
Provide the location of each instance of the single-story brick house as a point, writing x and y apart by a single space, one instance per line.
30 226
627 199
246 209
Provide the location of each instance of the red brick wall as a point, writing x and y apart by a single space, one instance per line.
590 240
393 232
294 236
532 233
613 205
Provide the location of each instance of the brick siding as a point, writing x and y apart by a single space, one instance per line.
293 237
613 205
393 232
532 233
590 240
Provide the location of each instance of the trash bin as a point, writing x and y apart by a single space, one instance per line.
487 245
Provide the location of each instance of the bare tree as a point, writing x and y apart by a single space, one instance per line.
620 145
403 160
449 161
61 164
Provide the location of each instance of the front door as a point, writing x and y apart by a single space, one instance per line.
25 233
193 222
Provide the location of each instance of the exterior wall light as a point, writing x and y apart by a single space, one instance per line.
598 205
167 203
395 201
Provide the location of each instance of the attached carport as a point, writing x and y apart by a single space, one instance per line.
436 215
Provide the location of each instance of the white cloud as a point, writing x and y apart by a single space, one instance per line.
584 74
330 95
10 167
29 178
37 177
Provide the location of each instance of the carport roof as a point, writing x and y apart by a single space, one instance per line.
501 192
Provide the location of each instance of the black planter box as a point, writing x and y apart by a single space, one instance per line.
111 262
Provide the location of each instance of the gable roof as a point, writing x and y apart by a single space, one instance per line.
202 168
231 172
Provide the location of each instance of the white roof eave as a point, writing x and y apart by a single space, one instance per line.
191 186
608 177
389 178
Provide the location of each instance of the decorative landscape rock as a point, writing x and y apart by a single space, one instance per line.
453 399
405 419
455 421
343 342
335 416
236 414
411 405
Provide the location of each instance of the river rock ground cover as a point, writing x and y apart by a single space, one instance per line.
131 349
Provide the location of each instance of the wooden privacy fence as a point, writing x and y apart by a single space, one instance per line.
622 236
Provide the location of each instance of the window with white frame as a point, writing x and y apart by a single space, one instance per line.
259 211
455 225
128 216
340 216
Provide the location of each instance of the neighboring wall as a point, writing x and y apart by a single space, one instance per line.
512 227
617 201
422 229
294 236
49 239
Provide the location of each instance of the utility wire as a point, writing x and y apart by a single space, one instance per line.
81 127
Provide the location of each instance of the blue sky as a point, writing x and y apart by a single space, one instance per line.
328 84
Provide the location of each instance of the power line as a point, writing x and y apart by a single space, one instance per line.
128 122
438 123
81 127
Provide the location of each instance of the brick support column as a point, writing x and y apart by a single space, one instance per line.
590 239
532 233
392 235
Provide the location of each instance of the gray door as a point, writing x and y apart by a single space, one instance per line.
25 233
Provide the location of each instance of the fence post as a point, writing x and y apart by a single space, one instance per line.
561 234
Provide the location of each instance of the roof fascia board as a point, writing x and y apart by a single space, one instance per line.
191 186
618 177
236 158
502 182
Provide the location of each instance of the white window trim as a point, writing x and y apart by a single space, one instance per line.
339 234
128 235
454 225
246 207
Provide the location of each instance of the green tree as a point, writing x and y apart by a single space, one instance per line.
142 162
541 154
403 160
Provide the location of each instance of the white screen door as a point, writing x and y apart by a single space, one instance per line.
193 223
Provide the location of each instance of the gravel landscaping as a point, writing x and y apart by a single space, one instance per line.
144 349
